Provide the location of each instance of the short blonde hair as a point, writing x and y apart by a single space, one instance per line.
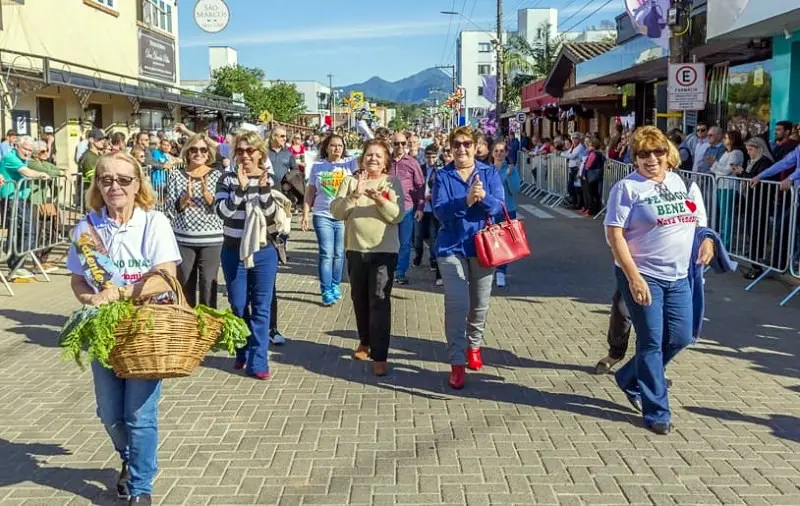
145 197
212 151
648 138
463 131
253 140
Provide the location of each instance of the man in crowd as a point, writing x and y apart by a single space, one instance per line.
784 144
50 139
408 171
88 162
14 167
8 143
699 145
713 150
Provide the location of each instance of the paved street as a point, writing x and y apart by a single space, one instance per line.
534 427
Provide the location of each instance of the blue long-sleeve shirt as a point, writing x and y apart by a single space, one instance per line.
786 163
574 156
458 223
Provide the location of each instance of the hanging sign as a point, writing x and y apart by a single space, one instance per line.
212 16
686 87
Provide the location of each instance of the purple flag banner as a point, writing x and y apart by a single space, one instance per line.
490 88
649 18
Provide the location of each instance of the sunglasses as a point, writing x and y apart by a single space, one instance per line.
455 145
399 144
193 151
123 181
248 150
644 154
701 130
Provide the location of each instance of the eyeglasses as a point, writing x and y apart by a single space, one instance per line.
194 150
399 144
455 145
123 181
281 136
701 130
249 150
644 154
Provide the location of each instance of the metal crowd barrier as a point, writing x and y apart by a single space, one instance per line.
707 183
794 240
615 172
38 216
557 180
6 225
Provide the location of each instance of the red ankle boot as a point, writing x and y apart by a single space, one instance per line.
474 360
458 375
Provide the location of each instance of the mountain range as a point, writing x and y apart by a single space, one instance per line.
409 90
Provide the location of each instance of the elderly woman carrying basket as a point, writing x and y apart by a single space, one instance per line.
137 240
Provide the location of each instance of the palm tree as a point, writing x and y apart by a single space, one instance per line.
525 62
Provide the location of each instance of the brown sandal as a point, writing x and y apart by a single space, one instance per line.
605 365
361 353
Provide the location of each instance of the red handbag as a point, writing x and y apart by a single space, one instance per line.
501 243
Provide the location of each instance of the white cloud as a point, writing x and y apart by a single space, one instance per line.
377 30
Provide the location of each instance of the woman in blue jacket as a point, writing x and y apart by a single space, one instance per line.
464 193
511 186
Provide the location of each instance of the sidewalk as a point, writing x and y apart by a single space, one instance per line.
534 427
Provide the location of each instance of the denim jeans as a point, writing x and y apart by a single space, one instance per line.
330 236
22 223
406 231
504 268
250 294
467 289
129 411
663 329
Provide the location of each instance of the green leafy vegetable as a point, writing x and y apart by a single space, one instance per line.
92 329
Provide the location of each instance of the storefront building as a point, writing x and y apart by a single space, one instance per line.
98 64
762 92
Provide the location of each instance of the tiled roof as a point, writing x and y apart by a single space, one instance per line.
579 52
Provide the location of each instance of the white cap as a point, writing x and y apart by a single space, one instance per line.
248 127
48 129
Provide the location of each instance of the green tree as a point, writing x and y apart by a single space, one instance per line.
281 99
234 79
529 61
285 102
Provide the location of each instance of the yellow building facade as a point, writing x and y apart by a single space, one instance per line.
80 64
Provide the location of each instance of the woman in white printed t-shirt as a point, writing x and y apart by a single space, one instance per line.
650 226
124 228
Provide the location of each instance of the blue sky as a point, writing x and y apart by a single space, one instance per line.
355 39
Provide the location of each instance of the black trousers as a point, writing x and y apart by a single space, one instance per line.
592 200
371 279
426 230
619 327
198 272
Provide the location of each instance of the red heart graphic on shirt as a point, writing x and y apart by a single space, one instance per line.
386 195
691 205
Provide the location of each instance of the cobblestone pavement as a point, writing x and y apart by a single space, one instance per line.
534 427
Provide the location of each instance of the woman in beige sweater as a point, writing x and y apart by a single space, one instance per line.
371 205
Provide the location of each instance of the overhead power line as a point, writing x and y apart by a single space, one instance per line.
589 15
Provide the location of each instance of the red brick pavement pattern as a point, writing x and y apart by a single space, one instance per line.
534 427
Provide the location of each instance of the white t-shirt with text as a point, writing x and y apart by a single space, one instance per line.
658 222
134 247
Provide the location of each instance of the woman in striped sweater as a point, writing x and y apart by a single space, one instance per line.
198 229
245 203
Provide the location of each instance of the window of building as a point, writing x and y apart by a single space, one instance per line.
484 47
157 14
480 91
747 98
107 6
111 4
484 70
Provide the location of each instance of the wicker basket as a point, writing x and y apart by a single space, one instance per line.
162 341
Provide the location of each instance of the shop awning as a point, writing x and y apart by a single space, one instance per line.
50 71
638 60
587 95
571 54
534 96
751 19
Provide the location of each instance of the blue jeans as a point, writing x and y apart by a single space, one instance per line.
129 412
250 295
406 231
662 330
497 219
330 236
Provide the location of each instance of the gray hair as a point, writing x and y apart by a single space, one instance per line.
39 146
576 135
715 130
25 140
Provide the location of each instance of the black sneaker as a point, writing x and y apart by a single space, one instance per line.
662 429
141 500
122 482
401 281
434 266
417 261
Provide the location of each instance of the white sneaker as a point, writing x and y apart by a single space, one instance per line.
277 338
439 282
500 279
23 273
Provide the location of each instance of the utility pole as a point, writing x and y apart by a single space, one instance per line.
678 19
500 59
331 101
452 69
